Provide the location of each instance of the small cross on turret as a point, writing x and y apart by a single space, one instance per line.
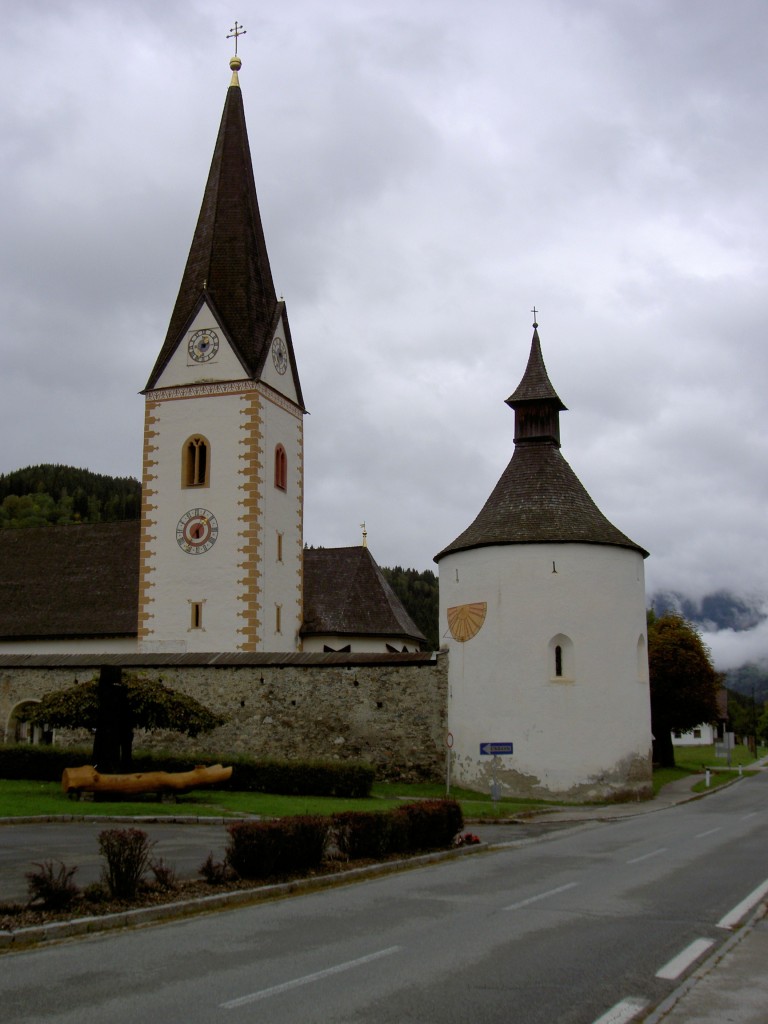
238 30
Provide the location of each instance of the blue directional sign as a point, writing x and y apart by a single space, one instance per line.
495 748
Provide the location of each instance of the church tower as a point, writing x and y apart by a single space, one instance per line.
222 517
542 607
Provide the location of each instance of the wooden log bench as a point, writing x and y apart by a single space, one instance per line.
86 779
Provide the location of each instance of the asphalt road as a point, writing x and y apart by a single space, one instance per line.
184 847
586 925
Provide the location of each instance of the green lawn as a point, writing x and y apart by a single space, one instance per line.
693 761
30 799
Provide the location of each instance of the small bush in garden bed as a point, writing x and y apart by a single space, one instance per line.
52 887
127 853
215 872
263 849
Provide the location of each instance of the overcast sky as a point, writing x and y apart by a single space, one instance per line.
427 173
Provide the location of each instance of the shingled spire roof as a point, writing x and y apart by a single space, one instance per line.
228 266
535 385
539 499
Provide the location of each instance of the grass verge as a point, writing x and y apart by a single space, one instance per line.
33 799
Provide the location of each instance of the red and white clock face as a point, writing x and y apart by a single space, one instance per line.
196 531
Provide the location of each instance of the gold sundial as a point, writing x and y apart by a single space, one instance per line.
466 620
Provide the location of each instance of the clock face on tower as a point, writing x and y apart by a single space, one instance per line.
203 346
196 531
280 355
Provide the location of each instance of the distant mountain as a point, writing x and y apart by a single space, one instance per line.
751 680
720 610
724 610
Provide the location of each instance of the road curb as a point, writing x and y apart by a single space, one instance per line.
57 931
665 1007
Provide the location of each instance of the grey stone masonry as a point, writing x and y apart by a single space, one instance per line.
388 710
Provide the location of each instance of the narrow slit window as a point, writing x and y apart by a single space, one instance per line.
281 468
279 547
196 462
558 660
278 617
196 610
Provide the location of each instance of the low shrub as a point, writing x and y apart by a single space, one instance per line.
352 780
363 835
263 849
164 874
52 887
426 825
215 872
127 852
39 763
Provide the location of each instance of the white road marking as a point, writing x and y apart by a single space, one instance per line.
709 832
265 993
541 896
751 814
734 916
645 856
677 965
623 1011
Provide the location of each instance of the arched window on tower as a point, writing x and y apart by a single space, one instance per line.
561 659
281 468
195 462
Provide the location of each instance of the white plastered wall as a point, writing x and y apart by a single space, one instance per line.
243 579
584 734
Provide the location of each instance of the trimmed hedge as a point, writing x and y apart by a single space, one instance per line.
43 764
426 825
284 846
363 835
264 849
351 780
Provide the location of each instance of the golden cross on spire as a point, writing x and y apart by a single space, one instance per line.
236 31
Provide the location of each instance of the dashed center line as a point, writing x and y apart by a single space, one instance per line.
646 856
709 832
264 993
541 896
622 1012
677 965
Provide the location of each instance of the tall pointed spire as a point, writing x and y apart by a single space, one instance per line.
539 499
228 265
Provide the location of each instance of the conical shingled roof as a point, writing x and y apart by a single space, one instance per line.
228 265
539 499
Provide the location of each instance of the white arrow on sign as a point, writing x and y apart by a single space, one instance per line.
495 748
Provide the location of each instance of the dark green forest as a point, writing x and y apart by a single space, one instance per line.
49 495
419 593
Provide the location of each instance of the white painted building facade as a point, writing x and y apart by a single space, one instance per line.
542 609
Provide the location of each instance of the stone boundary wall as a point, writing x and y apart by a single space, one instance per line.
390 711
